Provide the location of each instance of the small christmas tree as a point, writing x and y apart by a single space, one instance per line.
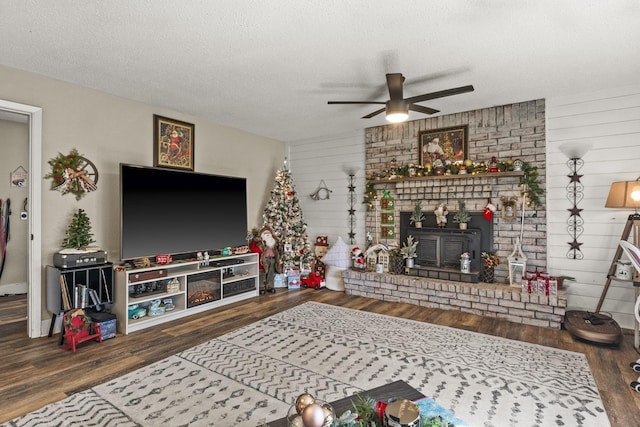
79 232
284 216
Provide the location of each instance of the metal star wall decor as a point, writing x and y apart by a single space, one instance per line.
575 222
352 208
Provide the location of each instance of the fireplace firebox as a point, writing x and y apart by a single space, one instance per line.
439 249
203 288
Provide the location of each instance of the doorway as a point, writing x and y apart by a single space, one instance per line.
34 227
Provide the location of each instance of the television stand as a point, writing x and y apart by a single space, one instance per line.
182 288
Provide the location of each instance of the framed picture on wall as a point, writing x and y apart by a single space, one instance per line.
446 143
172 143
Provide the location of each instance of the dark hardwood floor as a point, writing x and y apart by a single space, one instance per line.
34 372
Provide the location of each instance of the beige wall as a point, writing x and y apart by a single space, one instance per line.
14 141
110 130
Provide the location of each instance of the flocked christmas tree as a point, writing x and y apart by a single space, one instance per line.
284 216
79 232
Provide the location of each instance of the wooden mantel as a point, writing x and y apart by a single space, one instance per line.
454 176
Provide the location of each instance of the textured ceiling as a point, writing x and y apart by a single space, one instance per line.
269 67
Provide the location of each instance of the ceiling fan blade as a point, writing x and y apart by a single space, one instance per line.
394 82
426 78
375 113
356 102
440 94
421 109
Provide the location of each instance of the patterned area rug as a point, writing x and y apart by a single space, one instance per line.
252 375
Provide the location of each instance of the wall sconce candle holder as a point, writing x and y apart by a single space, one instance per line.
575 223
352 208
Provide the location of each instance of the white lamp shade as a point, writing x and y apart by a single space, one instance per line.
624 195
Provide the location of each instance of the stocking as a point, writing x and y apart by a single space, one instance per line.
488 211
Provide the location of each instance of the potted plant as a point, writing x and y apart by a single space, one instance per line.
463 216
417 215
408 251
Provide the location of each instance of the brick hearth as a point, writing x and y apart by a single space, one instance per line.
490 300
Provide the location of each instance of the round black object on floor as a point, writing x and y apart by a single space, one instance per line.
593 327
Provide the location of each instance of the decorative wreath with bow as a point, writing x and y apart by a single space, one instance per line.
76 320
72 173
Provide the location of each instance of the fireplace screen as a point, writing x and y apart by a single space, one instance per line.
441 248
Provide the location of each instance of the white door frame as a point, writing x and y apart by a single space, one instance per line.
34 263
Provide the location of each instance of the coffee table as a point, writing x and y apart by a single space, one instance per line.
397 389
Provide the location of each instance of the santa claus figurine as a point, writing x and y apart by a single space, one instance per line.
358 257
441 215
270 258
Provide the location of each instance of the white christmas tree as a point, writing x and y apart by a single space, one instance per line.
284 216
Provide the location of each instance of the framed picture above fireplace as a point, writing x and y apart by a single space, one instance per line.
445 143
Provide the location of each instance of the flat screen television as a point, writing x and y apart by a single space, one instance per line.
166 211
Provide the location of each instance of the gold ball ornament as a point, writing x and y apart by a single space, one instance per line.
328 415
313 415
304 400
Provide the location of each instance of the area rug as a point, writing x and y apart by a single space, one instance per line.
252 375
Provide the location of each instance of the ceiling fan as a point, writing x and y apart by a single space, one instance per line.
397 108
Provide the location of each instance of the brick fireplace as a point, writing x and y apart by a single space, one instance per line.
507 132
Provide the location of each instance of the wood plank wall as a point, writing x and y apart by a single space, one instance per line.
605 126
330 159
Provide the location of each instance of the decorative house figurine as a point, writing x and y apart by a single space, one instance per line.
383 259
372 260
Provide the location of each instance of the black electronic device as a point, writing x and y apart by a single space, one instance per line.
168 211
80 259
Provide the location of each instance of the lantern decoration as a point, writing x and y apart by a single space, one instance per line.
517 265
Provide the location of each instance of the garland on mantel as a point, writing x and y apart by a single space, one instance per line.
530 184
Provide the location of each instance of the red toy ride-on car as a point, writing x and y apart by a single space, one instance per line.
313 280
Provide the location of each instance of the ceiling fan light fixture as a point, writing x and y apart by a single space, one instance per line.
397 111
